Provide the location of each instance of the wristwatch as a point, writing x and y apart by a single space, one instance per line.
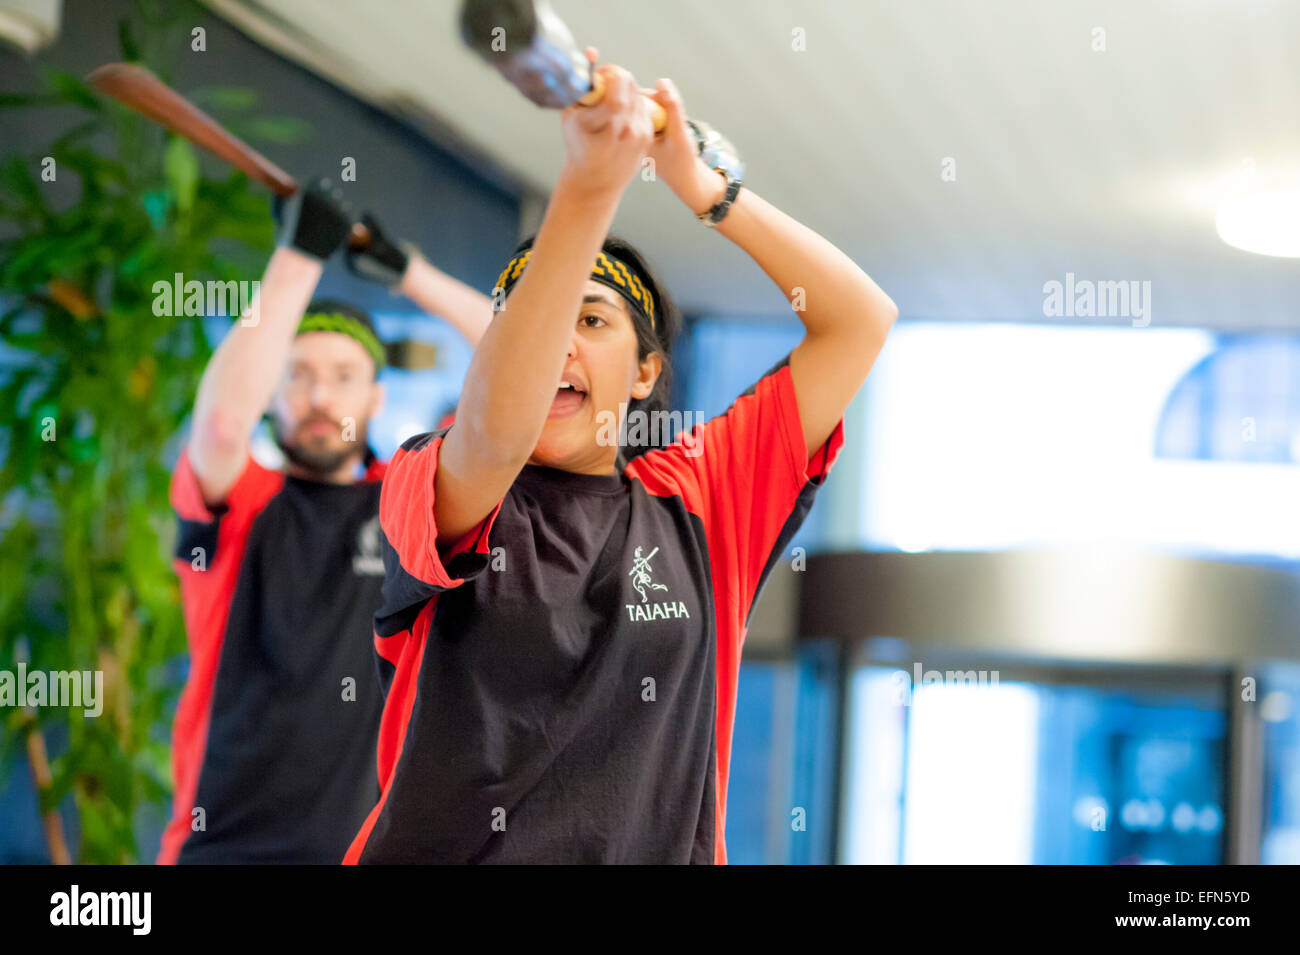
718 211
721 156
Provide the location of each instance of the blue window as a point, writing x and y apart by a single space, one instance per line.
781 787
1240 403
1017 772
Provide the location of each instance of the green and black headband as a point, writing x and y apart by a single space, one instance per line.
607 270
327 319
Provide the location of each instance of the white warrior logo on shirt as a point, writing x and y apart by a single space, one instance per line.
367 561
641 580
640 574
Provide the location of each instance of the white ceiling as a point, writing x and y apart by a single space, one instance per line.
1105 164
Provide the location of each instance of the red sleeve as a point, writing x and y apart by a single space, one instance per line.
252 489
210 543
746 474
414 569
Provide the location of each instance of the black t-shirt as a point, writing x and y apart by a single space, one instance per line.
274 739
561 688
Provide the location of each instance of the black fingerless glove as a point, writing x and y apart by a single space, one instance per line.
381 261
315 219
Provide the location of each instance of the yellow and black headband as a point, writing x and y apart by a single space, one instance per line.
607 270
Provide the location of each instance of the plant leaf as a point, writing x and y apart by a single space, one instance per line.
72 89
130 52
181 166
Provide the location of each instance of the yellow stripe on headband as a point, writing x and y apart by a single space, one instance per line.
607 270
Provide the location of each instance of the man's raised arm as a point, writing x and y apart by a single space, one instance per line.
247 367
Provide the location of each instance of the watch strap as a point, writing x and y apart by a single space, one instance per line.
718 211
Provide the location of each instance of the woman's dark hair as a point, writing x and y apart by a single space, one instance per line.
658 340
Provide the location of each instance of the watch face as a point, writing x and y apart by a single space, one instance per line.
716 150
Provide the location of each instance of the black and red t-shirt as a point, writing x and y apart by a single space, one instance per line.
562 683
273 746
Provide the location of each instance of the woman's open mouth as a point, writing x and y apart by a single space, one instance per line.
568 399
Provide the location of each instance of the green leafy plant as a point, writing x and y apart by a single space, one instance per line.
95 389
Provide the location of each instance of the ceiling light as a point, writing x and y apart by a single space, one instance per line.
1267 223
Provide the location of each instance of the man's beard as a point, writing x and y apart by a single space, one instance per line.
323 464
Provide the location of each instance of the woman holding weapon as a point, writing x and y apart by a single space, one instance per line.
553 696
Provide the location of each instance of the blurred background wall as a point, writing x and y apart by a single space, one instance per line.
1046 609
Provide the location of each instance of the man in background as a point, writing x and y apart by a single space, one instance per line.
274 739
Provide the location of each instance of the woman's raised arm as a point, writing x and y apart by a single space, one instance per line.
517 365
845 314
